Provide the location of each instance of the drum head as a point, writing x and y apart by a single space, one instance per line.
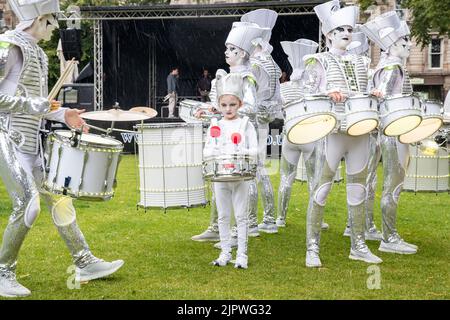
402 125
311 129
362 127
426 128
91 138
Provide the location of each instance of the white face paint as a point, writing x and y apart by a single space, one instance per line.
401 48
43 27
341 37
234 56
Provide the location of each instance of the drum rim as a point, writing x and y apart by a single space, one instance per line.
332 128
53 188
400 136
87 144
377 121
165 125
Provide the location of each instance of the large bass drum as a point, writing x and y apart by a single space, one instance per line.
428 171
170 165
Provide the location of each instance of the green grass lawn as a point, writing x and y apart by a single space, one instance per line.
161 262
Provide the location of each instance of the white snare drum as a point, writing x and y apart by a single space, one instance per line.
170 165
302 176
309 119
189 107
428 173
361 115
399 114
86 171
432 120
228 168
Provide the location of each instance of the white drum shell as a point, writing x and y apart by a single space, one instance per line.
427 173
397 107
92 168
217 168
307 107
170 165
361 108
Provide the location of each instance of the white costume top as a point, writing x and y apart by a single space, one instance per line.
223 145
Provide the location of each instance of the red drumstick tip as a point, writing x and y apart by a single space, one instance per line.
215 131
236 138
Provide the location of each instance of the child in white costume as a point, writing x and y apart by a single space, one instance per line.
232 196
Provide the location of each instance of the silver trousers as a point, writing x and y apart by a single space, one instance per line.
290 155
395 162
355 150
22 175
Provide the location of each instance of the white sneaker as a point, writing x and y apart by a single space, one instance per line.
325 226
208 235
253 232
347 232
241 262
399 246
268 228
233 243
373 235
281 223
367 256
222 260
96 270
313 259
10 288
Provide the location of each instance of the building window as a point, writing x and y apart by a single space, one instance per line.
435 54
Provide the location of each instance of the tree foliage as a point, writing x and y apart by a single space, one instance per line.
427 16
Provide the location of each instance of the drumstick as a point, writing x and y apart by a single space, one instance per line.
67 72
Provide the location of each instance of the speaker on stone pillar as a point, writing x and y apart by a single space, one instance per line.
71 43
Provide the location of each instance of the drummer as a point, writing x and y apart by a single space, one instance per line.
21 166
239 47
234 135
338 75
360 46
391 77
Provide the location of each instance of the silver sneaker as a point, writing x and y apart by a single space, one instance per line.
222 260
373 235
241 262
268 228
233 243
347 232
399 246
253 232
98 269
313 259
10 288
325 226
208 235
365 256
281 223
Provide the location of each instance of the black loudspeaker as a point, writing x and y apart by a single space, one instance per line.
71 43
77 95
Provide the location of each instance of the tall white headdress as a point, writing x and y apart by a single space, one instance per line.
297 49
264 18
332 15
385 29
230 83
31 9
359 44
243 34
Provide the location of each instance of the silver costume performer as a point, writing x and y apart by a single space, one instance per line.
290 153
23 84
267 74
391 77
338 74
360 46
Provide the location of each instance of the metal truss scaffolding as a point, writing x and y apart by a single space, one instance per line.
98 14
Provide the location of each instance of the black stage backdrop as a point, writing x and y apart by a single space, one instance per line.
134 50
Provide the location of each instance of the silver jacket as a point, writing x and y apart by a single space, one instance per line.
22 113
393 76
